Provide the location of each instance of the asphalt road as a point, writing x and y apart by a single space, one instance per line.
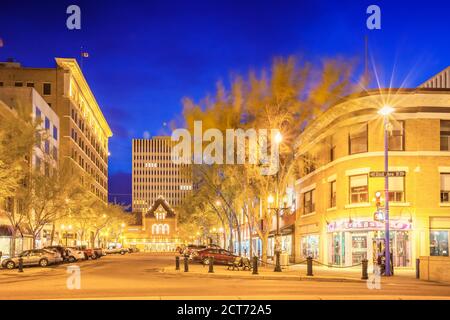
138 276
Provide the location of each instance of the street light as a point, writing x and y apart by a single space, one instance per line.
385 111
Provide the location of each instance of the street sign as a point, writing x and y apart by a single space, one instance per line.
382 174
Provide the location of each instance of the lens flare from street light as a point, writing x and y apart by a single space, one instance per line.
270 199
218 203
386 110
278 138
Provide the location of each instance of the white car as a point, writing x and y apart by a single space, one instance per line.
74 254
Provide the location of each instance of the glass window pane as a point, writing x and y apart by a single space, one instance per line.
439 243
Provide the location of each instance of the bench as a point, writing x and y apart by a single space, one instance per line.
240 262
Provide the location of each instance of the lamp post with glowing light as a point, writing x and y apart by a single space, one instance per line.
385 112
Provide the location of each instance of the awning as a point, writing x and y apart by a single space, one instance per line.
6 231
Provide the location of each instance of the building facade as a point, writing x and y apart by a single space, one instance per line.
154 174
336 221
44 156
84 132
156 229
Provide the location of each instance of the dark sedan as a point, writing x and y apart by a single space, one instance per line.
221 256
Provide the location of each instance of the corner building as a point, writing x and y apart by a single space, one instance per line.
335 222
84 130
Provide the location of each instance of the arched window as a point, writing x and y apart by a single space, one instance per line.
166 229
155 229
160 229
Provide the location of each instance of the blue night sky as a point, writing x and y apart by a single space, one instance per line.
145 56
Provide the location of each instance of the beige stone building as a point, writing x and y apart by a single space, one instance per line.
84 131
336 195
154 174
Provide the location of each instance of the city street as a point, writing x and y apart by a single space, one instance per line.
139 276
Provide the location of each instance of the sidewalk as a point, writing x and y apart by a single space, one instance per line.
294 272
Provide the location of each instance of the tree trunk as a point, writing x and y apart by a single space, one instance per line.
52 236
239 239
13 245
230 243
250 240
264 243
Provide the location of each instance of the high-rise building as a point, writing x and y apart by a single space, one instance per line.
154 174
84 131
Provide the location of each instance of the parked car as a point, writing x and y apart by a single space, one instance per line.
88 253
74 254
221 256
116 251
191 248
39 257
99 252
60 249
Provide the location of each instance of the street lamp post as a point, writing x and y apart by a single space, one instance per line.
385 112
277 250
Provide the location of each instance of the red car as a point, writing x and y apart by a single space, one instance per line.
220 256
88 253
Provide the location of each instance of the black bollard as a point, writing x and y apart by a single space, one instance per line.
418 268
365 264
309 266
20 264
177 263
255 265
211 265
186 265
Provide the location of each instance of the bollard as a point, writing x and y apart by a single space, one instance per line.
365 264
309 266
417 268
255 265
20 264
186 266
177 263
211 265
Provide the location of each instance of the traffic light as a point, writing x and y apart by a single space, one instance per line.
378 198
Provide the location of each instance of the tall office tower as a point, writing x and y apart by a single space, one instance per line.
84 131
154 174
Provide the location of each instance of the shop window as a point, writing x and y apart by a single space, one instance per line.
310 246
359 190
445 187
308 202
439 243
357 139
445 135
397 136
333 194
397 189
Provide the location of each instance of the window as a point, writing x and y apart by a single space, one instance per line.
37 163
445 187
357 139
445 135
47 89
333 194
1 84
38 113
439 243
47 147
55 133
359 191
310 246
30 84
308 202
47 123
397 136
332 149
397 189
18 84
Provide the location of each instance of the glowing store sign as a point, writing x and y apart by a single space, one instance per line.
366 225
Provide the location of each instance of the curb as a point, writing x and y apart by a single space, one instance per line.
260 277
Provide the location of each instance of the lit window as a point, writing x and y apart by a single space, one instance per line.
308 202
359 190
358 139
396 189
439 243
445 135
397 136
445 187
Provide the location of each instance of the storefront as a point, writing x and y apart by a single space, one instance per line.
286 242
349 242
310 246
22 243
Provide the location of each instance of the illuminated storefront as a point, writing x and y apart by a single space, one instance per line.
349 242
